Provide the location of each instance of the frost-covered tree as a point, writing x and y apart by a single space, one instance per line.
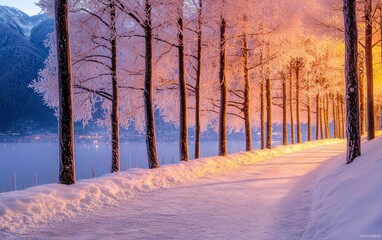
198 79
183 139
141 13
95 73
297 64
327 17
229 66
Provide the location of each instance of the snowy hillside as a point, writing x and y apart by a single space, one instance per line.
347 198
19 21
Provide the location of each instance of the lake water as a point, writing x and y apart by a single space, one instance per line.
23 165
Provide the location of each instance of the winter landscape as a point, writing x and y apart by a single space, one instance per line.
191 119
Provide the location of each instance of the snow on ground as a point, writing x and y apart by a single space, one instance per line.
22 210
347 199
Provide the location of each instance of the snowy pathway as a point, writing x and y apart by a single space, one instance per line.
267 200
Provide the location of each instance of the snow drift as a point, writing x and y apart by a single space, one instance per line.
347 198
53 202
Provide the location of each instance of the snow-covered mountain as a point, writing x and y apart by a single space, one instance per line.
19 21
22 54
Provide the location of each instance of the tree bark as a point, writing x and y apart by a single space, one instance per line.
361 75
351 77
327 126
115 160
183 126
198 80
321 118
247 99
377 117
369 69
291 102
269 113
380 32
343 120
262 103
324 115
152 156
337 99
335 119
338 109
66 144
309 114
223 91
298 108
285 122
318 116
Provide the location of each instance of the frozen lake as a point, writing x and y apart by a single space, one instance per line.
23 165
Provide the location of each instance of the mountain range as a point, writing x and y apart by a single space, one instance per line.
22 54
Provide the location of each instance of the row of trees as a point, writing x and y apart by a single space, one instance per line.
225 65
364 19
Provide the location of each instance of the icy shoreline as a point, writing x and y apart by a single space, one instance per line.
53 202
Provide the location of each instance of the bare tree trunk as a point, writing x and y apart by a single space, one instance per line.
327 115
341 122
183 126
351 76
115 161
338 107
338 116
369 69
309 114
322 117
223 91
197 87
377 117
262 103
318 116
361 72
291 102
380 31
343 118
152 155
298 108
327 126
269 112
285 122
247 99
334 116
66 145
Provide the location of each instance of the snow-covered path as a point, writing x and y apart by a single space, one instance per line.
266 200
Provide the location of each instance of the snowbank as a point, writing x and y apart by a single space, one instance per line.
347 199
53 202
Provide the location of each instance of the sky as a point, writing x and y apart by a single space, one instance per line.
26 6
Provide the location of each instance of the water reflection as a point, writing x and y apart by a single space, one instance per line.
27 164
